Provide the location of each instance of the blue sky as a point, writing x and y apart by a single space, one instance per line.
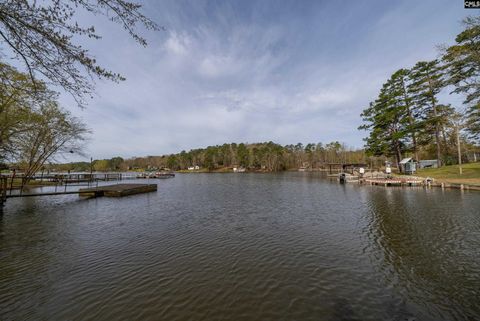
251 71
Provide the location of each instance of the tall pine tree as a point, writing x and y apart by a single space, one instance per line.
463 65
404 100
385 118
426 82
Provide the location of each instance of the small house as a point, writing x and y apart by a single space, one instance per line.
408 166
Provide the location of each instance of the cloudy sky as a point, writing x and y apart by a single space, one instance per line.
251 71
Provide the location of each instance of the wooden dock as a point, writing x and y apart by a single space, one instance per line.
78 178
394 181
3 190
117 190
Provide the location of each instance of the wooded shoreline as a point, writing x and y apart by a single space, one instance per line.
445 177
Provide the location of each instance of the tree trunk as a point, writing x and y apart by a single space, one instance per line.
414 137
410 121
398 154
437 135
437 127
445 142
459 152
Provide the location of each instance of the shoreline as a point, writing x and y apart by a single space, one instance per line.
436 183
471 182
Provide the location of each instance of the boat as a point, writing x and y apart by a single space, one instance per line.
345 178
164 175
142 175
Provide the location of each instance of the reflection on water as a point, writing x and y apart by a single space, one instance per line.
430 252
244 247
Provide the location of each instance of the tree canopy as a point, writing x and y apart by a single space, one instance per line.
407 117
265 157
463 65
33 127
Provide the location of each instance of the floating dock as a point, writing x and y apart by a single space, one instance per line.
117 190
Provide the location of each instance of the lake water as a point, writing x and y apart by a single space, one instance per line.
291 246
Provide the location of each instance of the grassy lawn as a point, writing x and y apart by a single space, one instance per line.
450 174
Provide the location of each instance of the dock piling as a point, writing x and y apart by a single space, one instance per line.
3 190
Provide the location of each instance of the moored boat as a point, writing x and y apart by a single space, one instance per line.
164 175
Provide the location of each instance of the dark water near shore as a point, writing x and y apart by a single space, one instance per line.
289 246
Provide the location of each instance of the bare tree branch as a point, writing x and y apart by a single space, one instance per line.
40 34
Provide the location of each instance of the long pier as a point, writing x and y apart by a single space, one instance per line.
60 182
117 190
41 194
395 181
77 178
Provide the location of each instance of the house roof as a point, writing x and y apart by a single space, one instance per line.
405 160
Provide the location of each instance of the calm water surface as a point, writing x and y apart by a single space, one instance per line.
289 246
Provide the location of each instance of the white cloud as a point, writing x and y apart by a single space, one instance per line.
222 75
218 66
329 97
177 44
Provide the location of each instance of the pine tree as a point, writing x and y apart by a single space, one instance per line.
385 118
463 66
404 100
426 82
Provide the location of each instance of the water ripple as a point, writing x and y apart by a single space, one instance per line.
243 247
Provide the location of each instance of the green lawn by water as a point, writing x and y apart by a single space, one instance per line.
471 173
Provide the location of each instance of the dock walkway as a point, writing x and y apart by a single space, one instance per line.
395 181
117 190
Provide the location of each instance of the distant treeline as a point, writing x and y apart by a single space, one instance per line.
266 156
